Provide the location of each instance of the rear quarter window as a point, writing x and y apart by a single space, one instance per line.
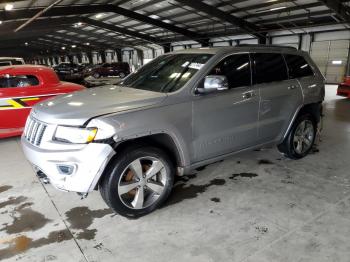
298 67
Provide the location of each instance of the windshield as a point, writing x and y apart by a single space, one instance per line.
166 73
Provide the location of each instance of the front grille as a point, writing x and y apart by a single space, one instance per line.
34 131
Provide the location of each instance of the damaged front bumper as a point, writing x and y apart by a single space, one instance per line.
77 170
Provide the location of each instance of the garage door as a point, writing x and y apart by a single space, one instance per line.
331 58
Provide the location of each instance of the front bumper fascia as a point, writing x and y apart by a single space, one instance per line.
89 162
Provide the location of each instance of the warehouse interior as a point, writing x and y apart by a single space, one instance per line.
253 206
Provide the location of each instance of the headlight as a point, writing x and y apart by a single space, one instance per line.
75 135
105 130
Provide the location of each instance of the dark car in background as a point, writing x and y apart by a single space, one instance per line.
121 69
67 71
67 68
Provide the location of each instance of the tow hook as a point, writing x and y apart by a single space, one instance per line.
83 195
42 177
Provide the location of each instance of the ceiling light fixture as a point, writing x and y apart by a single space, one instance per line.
8 7
154 16
87 43
278 8
26 43
99 15
74 46
0 22
271 9
337 62
63 47
78 24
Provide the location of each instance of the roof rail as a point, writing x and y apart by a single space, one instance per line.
259 45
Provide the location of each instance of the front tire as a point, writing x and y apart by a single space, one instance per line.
301 138
138 181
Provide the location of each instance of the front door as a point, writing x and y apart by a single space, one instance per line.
226 121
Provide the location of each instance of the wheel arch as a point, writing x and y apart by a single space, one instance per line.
163 141
314 109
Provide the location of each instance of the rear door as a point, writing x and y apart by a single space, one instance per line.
309 78
226 121
280 96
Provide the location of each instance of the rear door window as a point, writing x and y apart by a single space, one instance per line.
7 81
298 67
269 67
236 68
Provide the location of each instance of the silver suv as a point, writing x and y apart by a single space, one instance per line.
181 111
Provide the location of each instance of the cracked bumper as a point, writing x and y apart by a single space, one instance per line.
87 164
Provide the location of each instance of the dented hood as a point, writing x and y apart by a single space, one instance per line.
76 108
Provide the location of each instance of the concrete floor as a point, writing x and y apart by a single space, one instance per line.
257 206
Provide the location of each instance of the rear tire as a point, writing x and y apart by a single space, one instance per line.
96 75
300 139
138 181
122 75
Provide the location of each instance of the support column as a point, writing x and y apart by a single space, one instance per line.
119 55
206 43
103 56
140 57
167 48
263 39
300 41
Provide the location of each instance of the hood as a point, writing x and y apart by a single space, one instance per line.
76 108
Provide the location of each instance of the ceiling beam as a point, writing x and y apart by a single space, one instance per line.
100 36
283 11
215 12
80 41
158 23
40 24
26 13
92 9
341 10
118 29
68 44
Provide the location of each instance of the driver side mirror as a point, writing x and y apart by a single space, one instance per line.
213 83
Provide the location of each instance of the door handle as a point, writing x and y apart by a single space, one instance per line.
248 95
291 87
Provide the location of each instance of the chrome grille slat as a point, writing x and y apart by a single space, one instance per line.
35 128
40 137
31 123
34 131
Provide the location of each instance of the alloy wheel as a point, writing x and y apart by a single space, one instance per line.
303 137
142 182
